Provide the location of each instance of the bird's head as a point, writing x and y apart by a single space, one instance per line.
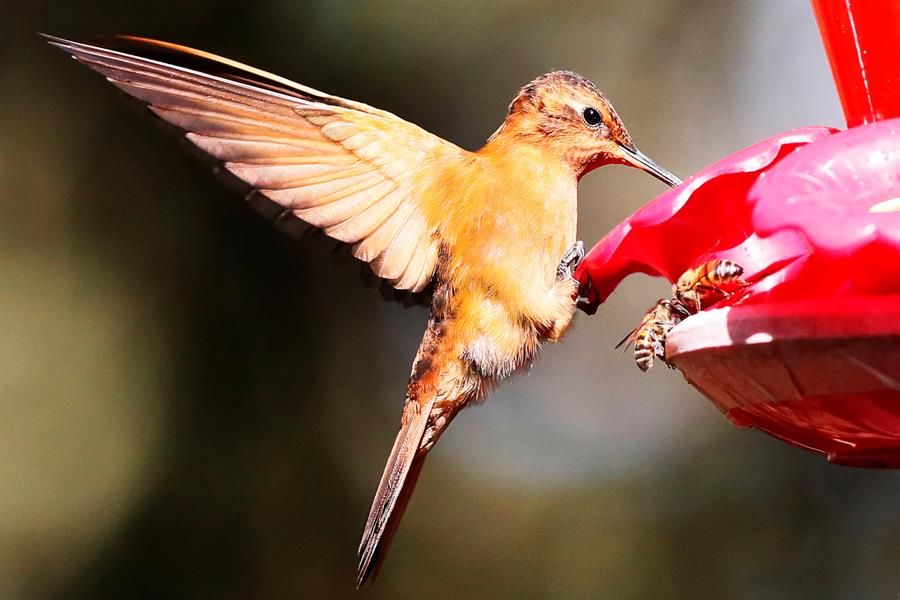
570 117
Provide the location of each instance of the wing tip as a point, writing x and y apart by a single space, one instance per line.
79 51
367 568
65 43
55 41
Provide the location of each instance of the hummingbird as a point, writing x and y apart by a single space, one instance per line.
489 235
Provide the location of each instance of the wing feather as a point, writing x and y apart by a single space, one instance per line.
394 259
262 150
234 125
357 172
362 225
340 210
281 176
308 195
371 248
410 278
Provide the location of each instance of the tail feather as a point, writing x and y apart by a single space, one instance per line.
394 491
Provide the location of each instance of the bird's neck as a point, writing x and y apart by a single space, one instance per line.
530 156
521 139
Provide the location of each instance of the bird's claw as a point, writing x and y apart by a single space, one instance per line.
570 261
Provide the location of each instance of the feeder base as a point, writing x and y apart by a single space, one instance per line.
820 375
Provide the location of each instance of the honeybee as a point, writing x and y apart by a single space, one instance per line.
649 337
695 290
709 283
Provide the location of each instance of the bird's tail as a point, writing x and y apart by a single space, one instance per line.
394 491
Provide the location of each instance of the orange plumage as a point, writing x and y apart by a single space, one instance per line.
484 231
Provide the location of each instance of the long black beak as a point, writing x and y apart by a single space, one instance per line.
643 162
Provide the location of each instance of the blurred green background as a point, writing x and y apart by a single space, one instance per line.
193 405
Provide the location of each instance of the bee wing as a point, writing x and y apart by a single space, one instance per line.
629 339
354 171
632 335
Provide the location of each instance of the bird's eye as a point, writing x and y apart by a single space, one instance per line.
592 117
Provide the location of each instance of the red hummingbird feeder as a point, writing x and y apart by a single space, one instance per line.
810 351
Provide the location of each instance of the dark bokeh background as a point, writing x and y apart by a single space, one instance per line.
195 406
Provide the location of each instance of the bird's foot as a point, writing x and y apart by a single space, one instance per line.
570 261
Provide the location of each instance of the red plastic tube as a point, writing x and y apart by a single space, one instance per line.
862 40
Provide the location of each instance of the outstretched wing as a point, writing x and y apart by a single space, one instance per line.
354 171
